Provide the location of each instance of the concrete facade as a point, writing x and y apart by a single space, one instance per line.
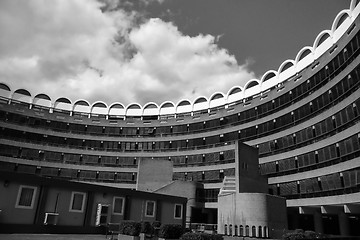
303 118
244 206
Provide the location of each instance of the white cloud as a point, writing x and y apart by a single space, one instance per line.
74 49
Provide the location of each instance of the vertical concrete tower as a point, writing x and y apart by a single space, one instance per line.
245 208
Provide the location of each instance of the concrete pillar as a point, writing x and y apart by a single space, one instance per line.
344 224
318 222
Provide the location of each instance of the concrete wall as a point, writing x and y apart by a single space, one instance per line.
66 217
8 196
54 196
182 189
247 170
251 209
153 174
167 213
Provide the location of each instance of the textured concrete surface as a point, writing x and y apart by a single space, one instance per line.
51 237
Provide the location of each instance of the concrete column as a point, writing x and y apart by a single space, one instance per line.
318 222
344 224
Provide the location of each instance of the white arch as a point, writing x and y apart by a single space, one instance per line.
249 91
84 108
268 83
5 90
42 100
319 36
148 111
133 109
99 107
355 9
199 104
116 109
321 48
22 95
282 65
63 103
233 97
284 74
302 63
338 17
167 108
218 101
338 31
182 108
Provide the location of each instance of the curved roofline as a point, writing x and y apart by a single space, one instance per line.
166 102
338 17
267 73
297 58
151 103
319 36
352 5
116 103
183 100
133 104
82 100
99 102
5 85
57 100
42 94
200 98
251 81
351 14
21 89
233 88
282 65
214 94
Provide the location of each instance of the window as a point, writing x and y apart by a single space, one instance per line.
150 209
118 205
26 197
77 202
178 211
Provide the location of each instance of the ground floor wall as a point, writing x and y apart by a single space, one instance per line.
251 214
320 219
38 202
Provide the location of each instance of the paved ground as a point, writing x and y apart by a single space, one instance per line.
51 237
76 237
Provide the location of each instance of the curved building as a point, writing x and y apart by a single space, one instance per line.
302 117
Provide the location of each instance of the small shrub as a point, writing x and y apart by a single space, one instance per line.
201 236
300 234
130 228
156 224
147 228
313 235
171 231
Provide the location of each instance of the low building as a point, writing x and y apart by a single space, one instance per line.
31 203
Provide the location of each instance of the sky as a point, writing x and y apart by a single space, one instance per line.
151 50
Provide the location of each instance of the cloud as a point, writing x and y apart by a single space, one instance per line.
99 51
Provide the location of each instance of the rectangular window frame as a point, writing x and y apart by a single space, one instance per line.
72 200
146 208
181 211
21 187
122 207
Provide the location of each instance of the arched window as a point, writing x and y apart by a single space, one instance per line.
241 231
225 230
260 232
247 231
265 232
253 231
236 231
230 230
